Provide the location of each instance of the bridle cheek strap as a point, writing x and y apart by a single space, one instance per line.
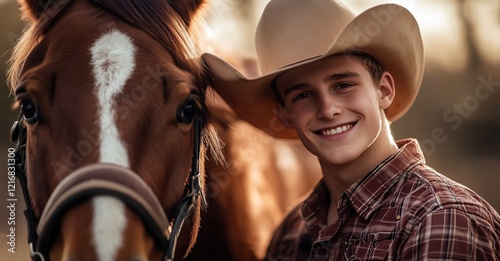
187 204
18 135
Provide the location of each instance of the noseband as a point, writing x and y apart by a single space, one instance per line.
110 180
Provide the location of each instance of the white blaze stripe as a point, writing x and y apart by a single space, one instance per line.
108 226
113 62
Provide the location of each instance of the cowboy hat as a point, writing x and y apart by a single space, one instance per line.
292 33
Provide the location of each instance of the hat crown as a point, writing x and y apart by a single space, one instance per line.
290 31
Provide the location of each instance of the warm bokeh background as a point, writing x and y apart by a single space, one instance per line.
462 44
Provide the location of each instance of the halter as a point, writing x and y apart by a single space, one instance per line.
105 179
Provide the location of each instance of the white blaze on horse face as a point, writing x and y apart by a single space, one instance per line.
113 61
109 223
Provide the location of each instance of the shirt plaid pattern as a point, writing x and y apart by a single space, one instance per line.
402 210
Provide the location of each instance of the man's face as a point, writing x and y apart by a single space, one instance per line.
334 106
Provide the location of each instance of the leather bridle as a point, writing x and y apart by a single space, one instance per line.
110 180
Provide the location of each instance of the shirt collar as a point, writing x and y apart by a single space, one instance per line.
366 195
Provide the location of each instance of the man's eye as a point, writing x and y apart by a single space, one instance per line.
301 96
341 86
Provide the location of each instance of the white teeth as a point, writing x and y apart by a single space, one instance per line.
337 130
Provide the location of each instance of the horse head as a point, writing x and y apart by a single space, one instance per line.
113 122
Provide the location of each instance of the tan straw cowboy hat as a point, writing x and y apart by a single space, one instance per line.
292 33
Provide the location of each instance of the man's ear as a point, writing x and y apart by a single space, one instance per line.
387 90
281 114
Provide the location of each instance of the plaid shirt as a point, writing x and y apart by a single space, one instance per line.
402 210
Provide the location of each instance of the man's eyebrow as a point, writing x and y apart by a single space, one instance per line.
339 76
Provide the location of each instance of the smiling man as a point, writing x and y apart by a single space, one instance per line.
336 106
337 81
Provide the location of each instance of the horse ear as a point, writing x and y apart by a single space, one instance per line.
187 9
32 10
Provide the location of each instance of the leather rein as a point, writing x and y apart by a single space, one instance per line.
110 180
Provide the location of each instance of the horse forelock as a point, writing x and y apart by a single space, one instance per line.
160 20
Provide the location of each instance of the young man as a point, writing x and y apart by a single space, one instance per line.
337 81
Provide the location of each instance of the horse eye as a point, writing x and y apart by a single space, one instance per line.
187 112
29 111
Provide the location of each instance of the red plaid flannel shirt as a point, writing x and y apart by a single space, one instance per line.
402 210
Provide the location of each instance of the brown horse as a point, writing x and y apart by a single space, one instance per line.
112 99
114 103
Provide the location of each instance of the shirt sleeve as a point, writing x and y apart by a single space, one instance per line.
452 234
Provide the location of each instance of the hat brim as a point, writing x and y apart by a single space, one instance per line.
393 39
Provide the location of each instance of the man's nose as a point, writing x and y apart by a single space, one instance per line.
328 107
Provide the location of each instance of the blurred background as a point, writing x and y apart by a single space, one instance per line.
456 116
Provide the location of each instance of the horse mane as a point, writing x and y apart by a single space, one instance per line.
156 17
30 37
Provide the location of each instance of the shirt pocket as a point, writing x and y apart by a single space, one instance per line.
374 246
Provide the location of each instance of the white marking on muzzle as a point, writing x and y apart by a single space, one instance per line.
113 62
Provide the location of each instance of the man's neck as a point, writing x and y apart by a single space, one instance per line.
339 178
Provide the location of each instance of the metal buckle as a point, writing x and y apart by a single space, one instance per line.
34 254
14 132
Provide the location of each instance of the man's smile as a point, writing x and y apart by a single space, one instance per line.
336 129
